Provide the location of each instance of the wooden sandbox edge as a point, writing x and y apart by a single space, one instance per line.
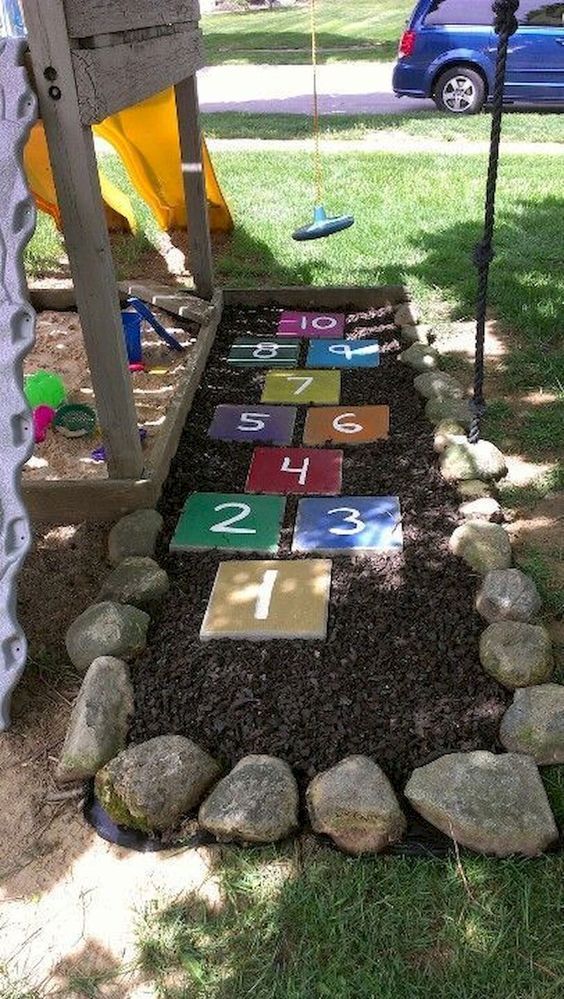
71 501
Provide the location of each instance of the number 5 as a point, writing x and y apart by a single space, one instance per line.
253 421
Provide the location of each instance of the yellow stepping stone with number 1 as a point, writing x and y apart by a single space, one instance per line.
302 386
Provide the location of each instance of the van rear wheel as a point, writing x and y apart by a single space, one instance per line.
460 90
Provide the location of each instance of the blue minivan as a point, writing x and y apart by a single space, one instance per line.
448 51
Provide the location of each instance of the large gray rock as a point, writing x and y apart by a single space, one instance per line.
256 803
448 432
516 654
107 629
420 357
487 508
153 785
483 546
473 489
406 314
135 534
508 595
355 805
462 460
137 581
415 333
438 385
98 725
438 410
492 804
534 724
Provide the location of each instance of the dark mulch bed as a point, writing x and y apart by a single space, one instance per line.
398 677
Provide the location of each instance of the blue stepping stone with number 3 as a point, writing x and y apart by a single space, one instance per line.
343 354
348 524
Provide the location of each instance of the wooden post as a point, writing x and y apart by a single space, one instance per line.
73 161
199 243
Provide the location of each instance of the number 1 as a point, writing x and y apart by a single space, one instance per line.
264 595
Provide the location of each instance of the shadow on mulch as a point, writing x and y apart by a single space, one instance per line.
398 677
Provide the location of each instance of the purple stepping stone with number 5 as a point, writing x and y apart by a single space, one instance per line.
269 424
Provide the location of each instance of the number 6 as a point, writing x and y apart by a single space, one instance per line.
346 428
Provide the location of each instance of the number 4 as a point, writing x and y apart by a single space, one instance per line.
301 471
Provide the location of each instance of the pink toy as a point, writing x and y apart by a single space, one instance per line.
42 418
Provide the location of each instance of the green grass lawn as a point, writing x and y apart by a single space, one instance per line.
310 924
367 29
517 126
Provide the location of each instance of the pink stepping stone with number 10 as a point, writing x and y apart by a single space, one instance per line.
311 324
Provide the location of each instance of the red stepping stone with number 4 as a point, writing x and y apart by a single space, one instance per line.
299 470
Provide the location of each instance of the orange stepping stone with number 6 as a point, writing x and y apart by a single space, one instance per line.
346 424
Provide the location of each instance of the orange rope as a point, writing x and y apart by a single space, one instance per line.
317 154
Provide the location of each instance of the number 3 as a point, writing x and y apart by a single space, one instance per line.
352 518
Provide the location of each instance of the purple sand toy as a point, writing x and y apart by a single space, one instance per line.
99 453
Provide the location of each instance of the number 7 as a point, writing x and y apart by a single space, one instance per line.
304 379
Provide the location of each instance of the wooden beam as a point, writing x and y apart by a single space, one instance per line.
117 76
199 243
91 17
71 150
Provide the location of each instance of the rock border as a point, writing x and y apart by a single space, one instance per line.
352 803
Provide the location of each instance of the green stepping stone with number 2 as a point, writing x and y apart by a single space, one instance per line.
229 521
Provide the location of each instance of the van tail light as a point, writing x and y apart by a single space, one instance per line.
407 43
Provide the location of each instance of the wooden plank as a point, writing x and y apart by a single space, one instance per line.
171 299
198 230
75 500
167 443
91 17
116 77
325 297
72 501
73 161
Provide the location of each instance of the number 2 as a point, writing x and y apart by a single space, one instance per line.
305 380
225 525
352 518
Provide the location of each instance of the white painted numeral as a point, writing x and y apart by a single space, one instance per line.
352 518
266 350
264 595
323 323
253 421
342 348
301 472
346 428
225 525
306 381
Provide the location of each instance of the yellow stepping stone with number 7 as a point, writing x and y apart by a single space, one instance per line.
302 386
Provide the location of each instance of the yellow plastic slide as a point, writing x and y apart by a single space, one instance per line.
146 138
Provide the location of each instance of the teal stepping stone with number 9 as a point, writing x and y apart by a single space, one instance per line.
230 522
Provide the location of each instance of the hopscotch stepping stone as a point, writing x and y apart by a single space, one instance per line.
342 425
229 521
311 324
348 523
302 386
259 600
269 424
246 352
343 354
295 470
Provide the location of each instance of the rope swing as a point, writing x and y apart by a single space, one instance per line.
323 224
505 25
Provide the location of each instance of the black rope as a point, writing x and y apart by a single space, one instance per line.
505 25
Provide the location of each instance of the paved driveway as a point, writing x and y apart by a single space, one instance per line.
344 88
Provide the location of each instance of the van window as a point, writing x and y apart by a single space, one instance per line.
461 12
541 15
